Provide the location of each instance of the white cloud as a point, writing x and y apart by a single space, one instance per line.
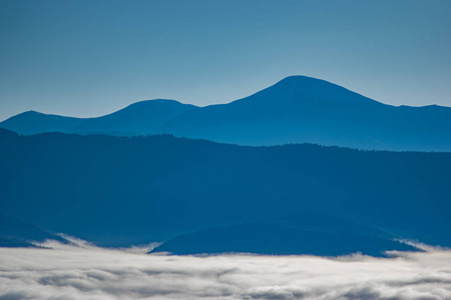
89 272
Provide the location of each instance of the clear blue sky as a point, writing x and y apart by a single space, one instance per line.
88 58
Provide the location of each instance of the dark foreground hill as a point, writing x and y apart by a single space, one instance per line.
17 233
122 191
297 109
300 233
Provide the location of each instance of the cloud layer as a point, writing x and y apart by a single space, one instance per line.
88 272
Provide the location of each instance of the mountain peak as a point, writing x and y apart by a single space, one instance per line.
32 112
311 85
153 102
302 90
300 78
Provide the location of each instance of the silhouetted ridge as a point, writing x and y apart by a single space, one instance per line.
17 233
301 109
297 109
300 233
141 118
122 191
305 90
5 133
145 103
32 122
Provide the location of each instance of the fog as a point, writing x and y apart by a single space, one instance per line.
89 272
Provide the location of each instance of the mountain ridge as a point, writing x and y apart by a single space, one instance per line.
33 122
293 234
17 233
297 109
86 187
301 109
139 118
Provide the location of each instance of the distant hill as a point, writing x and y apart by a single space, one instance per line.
121 191
297 109
17 233
300 233
141 118
33 122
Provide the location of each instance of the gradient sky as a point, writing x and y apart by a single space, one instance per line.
88 58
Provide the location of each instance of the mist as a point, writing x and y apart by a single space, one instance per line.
84 271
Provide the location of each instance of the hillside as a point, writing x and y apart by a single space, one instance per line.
299 233
301 109
297 109
17 233
122 191
140 118
33 122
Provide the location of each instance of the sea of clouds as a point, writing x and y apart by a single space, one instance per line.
89 272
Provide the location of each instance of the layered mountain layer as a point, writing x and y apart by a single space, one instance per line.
17 233
297 109
299 233
118 191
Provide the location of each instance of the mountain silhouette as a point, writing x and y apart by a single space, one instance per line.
33 122
297 109
17 233
141 118
301 109
299 233
118 191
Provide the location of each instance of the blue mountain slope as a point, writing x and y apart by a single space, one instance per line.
297 109
140 118
32 122
121 191
300 233
301 109
17 233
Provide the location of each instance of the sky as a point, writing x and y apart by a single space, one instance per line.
88 58
88 272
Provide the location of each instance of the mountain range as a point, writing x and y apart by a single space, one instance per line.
119 191
141 118
297 109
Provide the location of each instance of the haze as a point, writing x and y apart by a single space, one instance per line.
86 59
